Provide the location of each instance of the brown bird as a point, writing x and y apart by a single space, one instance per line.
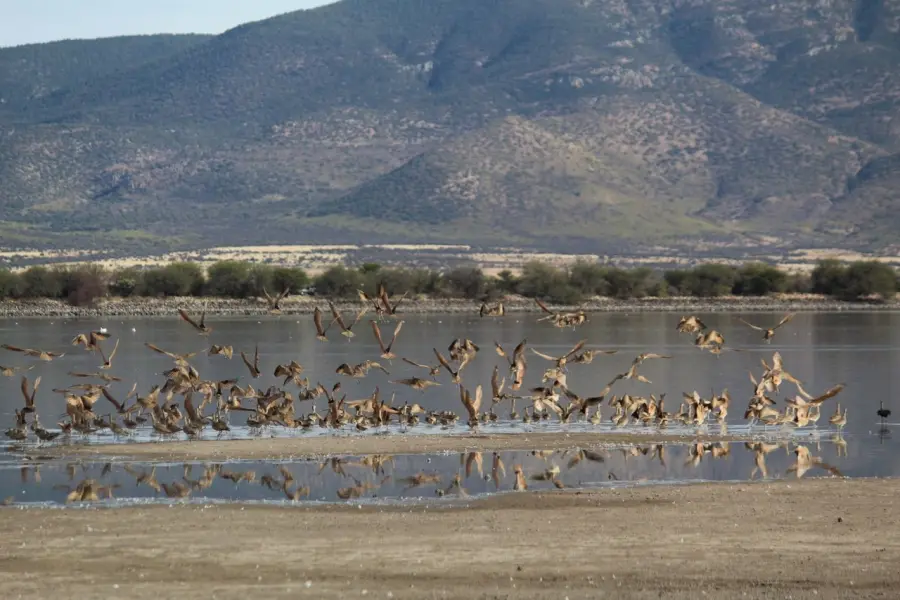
320 331
345 330
521 482
226 351
416 383
390 309
180 359
561 360
496 310
29 394
517 363
432 370
201 327
254 366
107 360
472 405
386 350
690 325
274 301
90 340
10 371
40 354
454 374
769 333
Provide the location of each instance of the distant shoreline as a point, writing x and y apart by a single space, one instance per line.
301 305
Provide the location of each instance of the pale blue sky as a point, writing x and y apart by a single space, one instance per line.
30 21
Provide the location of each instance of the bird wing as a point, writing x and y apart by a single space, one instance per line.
396 333
576 348
443 361
337 316
160 350
786 319
415 364
829 394
188 318
377 331
13 348
317 320
108 359
519 351
359 315
543 306
496 385
110 397
25 392
542 355
751 325
247 362
499 349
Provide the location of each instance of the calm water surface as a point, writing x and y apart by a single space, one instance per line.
861 350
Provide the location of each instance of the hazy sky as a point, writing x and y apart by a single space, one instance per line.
30 21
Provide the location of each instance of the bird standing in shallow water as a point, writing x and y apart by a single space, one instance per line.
883 412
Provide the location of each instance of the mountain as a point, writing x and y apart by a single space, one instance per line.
601 124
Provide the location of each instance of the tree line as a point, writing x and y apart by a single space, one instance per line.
82 284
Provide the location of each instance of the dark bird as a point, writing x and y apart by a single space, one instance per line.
883 412
201 327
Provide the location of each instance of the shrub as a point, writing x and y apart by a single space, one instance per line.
869 278
828 277
338 282
10 284
589 278
294 278
258 281
176 279
227 278
466 282
709 281
41 282
84 284
759 279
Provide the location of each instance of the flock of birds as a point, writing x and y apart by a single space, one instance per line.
179 404
378 475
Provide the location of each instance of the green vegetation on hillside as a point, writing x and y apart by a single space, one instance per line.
540 123
83 284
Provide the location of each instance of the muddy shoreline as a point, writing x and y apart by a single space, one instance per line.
299 447
299 305
817 539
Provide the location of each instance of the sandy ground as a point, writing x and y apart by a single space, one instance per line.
805 539
284 448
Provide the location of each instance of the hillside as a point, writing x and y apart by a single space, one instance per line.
551 123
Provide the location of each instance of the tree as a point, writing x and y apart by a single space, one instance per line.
338 282
828 277
468 282
709 281
175 279
227 278
10 284
41 282
759 279
869 278
294 278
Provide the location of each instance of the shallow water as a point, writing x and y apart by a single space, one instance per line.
393 478
822 349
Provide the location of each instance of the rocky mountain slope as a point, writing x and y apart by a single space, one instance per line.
602 124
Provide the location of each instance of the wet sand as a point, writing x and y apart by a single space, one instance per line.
298 447
802 539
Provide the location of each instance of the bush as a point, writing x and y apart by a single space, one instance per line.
10 284
466 282
258 281
759 279
82 285
507 282
293 278
338 282
227 278
176 279
869 278
589 278
828 277
126 282
41 282
709 281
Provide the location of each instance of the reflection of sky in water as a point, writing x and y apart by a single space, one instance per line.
431 476
822 349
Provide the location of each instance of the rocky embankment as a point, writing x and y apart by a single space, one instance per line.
160 307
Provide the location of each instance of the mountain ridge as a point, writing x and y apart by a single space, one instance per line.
552 124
